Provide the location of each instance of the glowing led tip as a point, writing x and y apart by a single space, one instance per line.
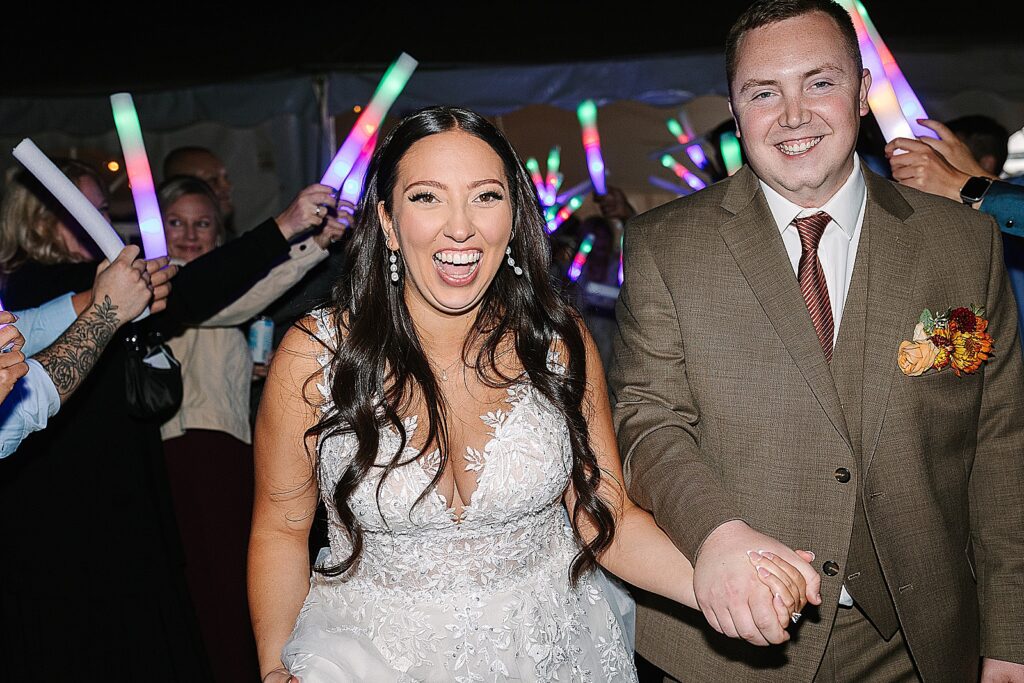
578 261
140 178
696 154
587 115
732 153
368 123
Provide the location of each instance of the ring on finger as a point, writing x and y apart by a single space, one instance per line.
317 212
795 617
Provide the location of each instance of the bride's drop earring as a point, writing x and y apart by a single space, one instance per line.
393 258
512 262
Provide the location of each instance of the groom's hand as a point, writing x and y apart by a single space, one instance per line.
729 593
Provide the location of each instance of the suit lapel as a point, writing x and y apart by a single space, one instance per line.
890 316
757 247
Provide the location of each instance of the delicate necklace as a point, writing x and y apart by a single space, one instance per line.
444 371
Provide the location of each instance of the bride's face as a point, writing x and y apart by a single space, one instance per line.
451 221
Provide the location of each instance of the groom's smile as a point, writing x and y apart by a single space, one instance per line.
797 99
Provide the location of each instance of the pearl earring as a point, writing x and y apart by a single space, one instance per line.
393 258
512 262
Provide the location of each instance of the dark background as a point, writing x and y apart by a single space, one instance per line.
94 48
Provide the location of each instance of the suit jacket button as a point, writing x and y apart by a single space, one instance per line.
830 568
842 475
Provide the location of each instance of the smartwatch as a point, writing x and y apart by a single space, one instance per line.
974 189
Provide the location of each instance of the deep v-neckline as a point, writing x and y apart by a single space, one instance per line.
517 396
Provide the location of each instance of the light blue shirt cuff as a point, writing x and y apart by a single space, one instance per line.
27 408
41 326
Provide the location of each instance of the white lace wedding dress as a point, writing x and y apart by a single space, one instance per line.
482 596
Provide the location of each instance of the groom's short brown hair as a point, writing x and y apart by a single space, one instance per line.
765 12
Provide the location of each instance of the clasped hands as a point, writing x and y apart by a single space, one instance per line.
751 586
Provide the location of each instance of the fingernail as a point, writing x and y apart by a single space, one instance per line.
767 554
811 553
754 557
764 572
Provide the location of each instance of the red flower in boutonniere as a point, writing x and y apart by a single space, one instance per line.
955 338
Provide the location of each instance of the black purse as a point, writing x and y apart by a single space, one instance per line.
152 377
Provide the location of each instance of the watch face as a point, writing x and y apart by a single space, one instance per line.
974 189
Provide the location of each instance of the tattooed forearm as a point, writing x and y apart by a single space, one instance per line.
69 359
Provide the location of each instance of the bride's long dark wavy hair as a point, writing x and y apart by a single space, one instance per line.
379 362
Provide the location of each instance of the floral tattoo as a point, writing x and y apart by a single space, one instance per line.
69 359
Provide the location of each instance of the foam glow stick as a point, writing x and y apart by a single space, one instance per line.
390 86
696 154
538 180
669 186
352 189
587 114
677 131
140 178
578 261
581 189
622 241
693 181
553 180
732 153
70 197
882 98
909 103
563 213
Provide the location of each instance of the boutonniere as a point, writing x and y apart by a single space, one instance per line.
956 338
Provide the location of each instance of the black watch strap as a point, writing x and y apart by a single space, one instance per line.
974 189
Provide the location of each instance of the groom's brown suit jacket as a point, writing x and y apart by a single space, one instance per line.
726 409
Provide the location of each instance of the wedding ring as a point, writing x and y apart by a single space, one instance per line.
317 212
795 617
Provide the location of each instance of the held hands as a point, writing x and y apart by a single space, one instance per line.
312 207
12 360
741 603
122 288
939 167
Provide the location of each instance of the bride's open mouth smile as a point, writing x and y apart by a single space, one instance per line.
457 267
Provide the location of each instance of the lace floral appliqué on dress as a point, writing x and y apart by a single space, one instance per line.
479 596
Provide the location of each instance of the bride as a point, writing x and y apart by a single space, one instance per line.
452 411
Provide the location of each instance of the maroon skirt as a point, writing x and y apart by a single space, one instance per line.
211 477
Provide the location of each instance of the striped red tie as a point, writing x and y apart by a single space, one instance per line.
812 278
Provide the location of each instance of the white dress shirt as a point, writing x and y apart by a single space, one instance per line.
837 250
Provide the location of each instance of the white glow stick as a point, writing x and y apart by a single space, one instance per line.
70 197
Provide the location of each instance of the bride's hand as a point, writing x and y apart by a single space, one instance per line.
280 675
785 581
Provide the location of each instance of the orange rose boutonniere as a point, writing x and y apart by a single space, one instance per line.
956 338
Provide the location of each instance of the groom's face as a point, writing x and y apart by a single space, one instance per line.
797 98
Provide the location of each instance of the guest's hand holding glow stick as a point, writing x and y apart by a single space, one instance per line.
587 114
368 123
140 178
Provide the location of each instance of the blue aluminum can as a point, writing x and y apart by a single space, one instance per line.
261 339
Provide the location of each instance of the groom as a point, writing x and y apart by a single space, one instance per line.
760 403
